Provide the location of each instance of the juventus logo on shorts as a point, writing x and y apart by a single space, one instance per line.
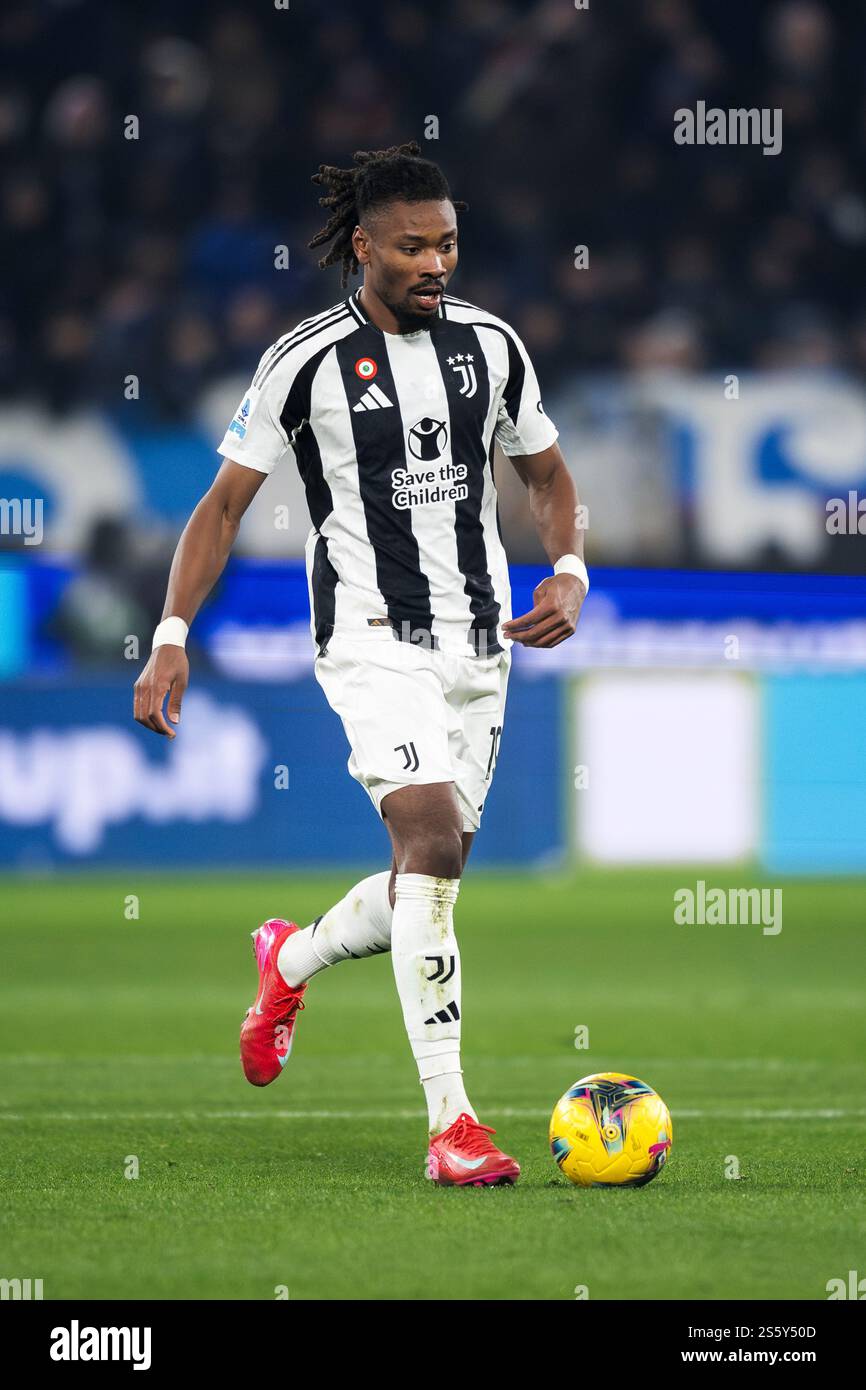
442 973
409 752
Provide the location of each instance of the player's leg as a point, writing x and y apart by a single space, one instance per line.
359 925
475 695
466 838
426 833
390 703
430 849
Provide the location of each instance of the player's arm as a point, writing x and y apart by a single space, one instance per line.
199 560
553 504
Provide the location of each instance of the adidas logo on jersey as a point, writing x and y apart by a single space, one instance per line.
374 399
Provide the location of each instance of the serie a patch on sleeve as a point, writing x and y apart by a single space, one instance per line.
241 417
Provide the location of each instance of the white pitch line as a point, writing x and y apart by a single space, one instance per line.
510 1113
154 1060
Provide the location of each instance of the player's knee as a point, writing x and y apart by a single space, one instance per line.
437 851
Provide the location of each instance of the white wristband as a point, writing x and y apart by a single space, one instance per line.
170 632
572 564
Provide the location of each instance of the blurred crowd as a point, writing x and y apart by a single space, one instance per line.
153 256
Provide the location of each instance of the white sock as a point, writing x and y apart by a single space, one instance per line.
426 964
358 925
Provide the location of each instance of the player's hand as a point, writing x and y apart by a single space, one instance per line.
557 602
167 670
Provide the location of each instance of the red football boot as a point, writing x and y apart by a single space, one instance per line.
266 1032
462 1156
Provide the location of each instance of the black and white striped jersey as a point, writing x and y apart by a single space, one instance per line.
393 436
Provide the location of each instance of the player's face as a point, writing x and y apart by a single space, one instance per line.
412 253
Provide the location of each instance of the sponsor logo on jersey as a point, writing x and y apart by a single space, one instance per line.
421 487
427 439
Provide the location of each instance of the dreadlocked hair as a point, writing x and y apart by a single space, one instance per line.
379 176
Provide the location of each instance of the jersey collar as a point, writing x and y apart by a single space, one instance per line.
360 313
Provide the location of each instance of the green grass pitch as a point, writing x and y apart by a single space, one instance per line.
118 1038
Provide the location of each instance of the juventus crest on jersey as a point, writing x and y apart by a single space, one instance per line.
393 436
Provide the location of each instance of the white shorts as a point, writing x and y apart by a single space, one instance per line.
414 716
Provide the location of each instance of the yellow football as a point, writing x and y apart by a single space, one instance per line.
611 1130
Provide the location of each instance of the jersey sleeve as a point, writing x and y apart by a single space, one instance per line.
522 426
256 436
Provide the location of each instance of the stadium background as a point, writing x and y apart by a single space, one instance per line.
707 371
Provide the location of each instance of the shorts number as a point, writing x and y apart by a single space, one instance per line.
495 736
